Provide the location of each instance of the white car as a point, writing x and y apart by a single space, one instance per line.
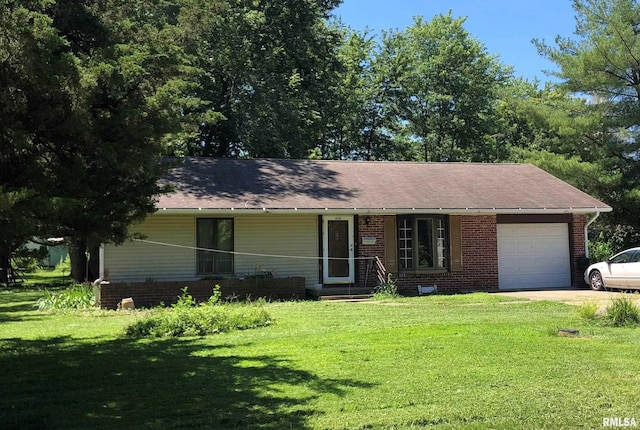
620 271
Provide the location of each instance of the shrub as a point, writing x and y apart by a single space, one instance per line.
79 296
622 311
600 248
188 318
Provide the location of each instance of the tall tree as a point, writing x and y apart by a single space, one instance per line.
89 89
603 60
267 69
450 87
39 85
363 108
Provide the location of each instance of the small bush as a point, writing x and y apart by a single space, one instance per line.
622 311
79 296
187 318
600 248
386 290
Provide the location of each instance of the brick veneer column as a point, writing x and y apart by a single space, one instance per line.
577 248
480 252
369 226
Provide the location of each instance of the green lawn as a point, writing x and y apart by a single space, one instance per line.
472 361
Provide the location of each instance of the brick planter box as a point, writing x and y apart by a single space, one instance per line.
148 294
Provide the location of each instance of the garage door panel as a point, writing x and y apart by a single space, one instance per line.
533 256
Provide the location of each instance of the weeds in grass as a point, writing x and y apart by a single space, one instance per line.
588 310
188 318
386 290
185 300
622 312
79 296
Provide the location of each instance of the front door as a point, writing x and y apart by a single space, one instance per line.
338 245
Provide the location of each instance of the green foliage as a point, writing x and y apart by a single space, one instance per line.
449 89
600 249
28 260
185 300
88 90
386 290
79 296
216 296
427 93
188 318
266 70
600 59
588 310
64 266
622 311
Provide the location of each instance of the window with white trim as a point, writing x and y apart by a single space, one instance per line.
215 234
422 243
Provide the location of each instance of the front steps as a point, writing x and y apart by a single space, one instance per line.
340 293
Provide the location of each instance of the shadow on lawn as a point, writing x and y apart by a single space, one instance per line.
63 383
12 310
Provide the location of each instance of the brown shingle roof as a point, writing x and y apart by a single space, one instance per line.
269 184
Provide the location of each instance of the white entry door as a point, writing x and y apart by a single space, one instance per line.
533 256
338 249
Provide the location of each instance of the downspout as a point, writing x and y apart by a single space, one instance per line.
586 234
96 283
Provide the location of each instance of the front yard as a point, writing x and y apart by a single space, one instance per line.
471 361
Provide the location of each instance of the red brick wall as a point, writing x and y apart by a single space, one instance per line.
147 294
479 258
369 226
479 261
577 249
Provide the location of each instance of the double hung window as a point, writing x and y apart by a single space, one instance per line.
215 234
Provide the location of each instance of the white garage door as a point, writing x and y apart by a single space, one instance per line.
533 256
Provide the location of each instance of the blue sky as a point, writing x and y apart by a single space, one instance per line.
505 27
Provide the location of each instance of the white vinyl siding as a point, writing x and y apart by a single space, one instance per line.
215 234
137 261
291 235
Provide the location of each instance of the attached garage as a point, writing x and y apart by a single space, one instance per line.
533 255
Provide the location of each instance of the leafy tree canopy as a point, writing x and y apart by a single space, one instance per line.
87 90
603 61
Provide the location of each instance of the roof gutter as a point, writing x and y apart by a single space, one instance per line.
586 233
382 211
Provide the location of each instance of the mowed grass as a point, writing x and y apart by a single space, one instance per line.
473 361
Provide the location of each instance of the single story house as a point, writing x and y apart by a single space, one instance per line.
460 226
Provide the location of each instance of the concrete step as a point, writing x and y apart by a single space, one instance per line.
347 297
340 293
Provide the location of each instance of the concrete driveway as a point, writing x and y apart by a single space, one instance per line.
572 296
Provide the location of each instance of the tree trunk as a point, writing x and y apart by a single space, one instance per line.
94 263
5 268
78 256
